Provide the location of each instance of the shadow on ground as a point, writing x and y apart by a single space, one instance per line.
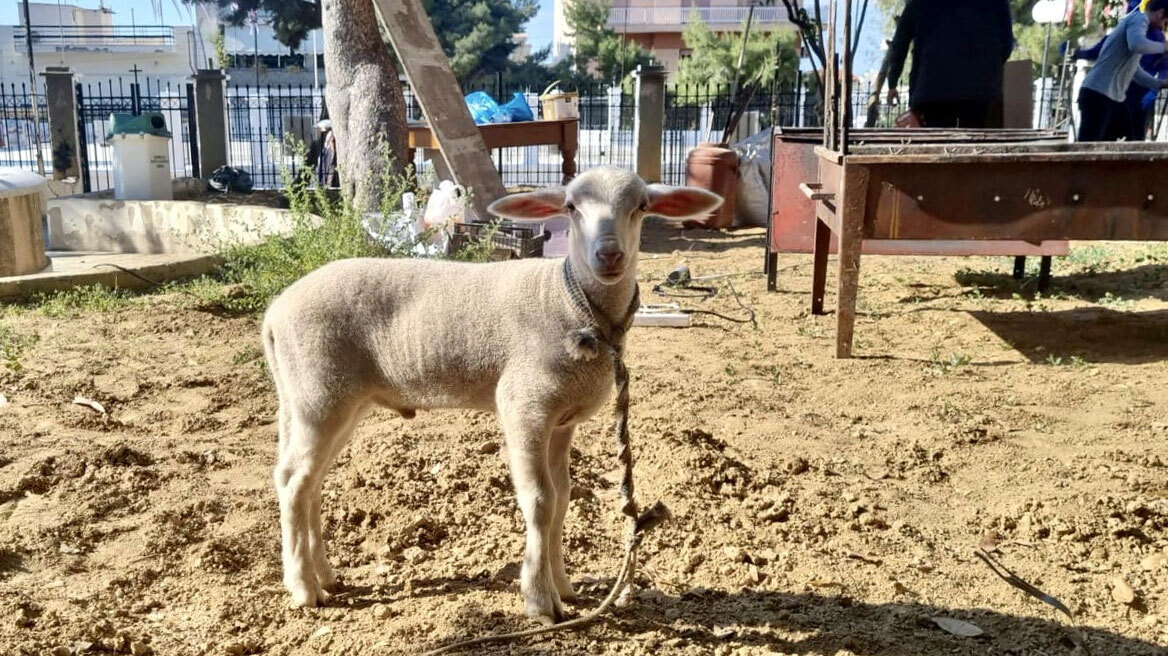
661 236
1094 334
1141 282
817 624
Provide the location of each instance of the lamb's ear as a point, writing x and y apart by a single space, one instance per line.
680 202
531 205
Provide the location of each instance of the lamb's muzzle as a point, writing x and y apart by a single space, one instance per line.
424 335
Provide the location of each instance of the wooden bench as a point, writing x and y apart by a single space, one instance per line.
1029 191
561 133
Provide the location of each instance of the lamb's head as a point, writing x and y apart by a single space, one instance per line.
606 206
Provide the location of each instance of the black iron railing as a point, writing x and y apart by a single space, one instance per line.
18 139
80 37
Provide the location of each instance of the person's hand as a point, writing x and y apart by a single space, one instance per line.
893 97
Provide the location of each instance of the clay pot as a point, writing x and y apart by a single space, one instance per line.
714 167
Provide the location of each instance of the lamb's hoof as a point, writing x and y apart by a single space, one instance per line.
567 592
303 599
545 616
306 597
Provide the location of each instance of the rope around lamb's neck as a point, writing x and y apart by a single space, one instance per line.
638 524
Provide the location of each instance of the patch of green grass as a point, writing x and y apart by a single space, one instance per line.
247 354
1110 300
73 302
12 346
324 228
1092 257
944 364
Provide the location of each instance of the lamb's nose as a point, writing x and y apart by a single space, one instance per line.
611 258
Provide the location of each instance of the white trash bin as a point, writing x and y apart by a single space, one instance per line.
141 157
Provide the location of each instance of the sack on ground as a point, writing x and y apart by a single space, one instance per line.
229 179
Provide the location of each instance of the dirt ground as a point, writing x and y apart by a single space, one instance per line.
821 507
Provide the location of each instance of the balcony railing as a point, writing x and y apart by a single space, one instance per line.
87 37
642 19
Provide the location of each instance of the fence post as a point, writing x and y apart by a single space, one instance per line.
649 125
211 120
62 106
612 117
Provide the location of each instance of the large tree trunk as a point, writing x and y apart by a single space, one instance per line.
365 101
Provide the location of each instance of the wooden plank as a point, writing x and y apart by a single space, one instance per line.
851 240
429 74
819 266
1119 200
813 190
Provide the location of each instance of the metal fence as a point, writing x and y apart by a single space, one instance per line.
260 120
97 100
264 125
18 140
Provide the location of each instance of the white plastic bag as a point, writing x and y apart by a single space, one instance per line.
447 206
401 227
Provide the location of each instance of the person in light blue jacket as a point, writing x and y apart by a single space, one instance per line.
1139 99
1102 114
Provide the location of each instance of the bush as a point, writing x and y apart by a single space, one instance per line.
325 227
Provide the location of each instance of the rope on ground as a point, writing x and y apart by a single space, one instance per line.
684 283
153 283
649 520
1013 579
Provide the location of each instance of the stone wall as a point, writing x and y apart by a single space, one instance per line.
86 223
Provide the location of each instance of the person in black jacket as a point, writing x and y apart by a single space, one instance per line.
960 48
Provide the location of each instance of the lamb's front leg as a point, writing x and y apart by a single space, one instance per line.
527 447
559 462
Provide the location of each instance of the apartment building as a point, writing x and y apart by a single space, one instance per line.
658 24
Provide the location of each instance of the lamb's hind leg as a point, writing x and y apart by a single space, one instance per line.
305 455
324 571
559 461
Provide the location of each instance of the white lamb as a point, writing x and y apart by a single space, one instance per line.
422 335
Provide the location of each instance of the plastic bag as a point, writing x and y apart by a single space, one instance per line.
484 109
447 206
226 178
400 227
754 169
518 108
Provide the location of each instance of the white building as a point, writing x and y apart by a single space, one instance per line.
97 43
657 25
89 42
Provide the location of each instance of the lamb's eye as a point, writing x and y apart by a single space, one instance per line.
643 207
570 208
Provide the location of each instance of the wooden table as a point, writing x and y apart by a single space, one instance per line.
790 227
1030 191
562 133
